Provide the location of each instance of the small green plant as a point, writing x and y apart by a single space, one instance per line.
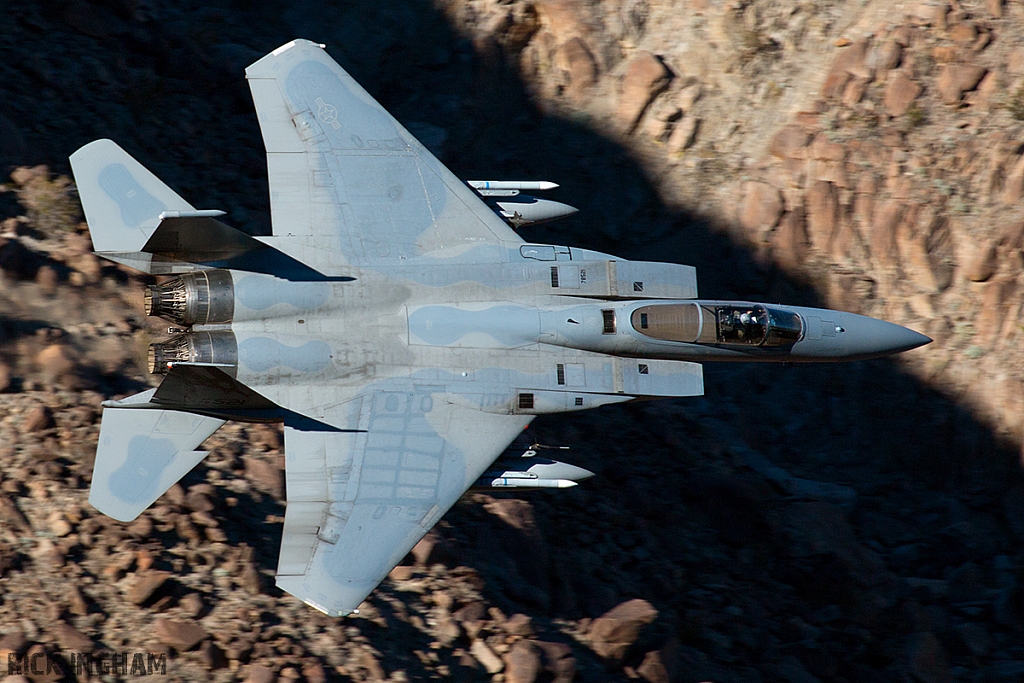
915 115
51 204
1015 103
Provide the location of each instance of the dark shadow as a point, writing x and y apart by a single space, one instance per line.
744 568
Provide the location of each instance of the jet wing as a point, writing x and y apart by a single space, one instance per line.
347 179
359 500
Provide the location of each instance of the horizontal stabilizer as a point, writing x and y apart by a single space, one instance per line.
122 200
141 454
136 219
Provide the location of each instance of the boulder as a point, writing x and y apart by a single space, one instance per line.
522 663
822 213
790 142
485 655
181 635
71 639
613 633
847 64
762 207
790 239
982 263
147 586
683 134
646 77
956 79
899 93
37 419
266 476
577 62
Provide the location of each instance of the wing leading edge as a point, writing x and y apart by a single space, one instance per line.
346 177
358 501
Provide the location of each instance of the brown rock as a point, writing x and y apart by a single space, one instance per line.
148 586
646 77
431 549
57 363
790 142
995 308
401 573
995 8
265 475
1013 190
314 672
76 601
266 436
689 95
926 250
945 54
558 661
885 57
485 655
888 215
956 79
964 33
612 634
982 264
822 214
899 93
37 419
522 663
987 89
211 656
849 62
683 134
5 377
652 669
576 60
180 635
257 673
14 643
71 639
762 207
47 279
11 516
519 625
791 242
823 149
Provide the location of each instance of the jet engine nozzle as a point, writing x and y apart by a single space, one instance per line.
195 348
202 297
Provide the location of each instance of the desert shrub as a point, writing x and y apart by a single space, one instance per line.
51 204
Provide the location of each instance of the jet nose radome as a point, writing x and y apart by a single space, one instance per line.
866 337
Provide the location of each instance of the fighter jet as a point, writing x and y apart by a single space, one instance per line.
396 325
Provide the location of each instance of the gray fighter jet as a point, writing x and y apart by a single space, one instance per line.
403 333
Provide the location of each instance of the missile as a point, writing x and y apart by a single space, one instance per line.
519 483
533 185
529 472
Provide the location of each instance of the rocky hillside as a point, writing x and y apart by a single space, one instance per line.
850 523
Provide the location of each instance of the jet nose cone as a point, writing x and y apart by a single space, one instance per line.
868 337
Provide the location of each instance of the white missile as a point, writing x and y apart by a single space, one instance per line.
520 483
533 185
